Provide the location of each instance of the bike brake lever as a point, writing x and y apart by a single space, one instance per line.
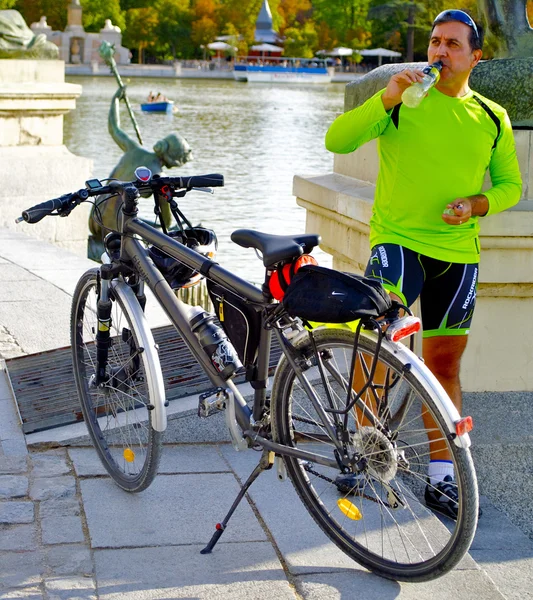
206 190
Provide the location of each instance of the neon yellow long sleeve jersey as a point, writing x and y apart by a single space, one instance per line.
438 152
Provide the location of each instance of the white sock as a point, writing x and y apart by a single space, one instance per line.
438 469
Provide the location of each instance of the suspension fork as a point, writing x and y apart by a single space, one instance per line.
103 316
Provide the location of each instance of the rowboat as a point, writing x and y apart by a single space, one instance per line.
157 106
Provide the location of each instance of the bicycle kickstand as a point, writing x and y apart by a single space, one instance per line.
266 462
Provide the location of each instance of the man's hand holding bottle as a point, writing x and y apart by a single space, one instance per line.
397 85
411 87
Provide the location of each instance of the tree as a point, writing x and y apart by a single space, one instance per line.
242 14
301 41
205 27
400 16
327 39
127 4
346 19
173 33
95 12
294 12
140 33
54 11
204 31
7 4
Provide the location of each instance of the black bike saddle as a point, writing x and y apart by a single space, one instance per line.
276 248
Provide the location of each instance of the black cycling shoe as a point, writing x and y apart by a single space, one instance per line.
443 498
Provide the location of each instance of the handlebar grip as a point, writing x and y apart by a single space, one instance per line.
39 211
200 181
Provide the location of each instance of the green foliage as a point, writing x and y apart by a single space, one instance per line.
301 41
141 27
95 12
294 13
169 29
390 27
7 4
127 4
346 20
173 32
54 11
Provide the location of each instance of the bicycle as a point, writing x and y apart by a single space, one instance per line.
354 444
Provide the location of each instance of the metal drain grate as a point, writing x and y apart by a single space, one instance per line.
46 394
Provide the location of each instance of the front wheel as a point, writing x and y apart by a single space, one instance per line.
374 510
115 412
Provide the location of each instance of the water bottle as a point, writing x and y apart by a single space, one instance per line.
416 92
214 341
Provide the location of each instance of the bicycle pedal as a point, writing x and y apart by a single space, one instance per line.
211 402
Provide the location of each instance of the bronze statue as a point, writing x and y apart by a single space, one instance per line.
172 151
17 40
507 21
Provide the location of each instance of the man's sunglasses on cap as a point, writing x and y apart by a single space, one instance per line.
456 15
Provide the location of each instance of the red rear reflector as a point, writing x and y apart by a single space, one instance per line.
402 328
463 426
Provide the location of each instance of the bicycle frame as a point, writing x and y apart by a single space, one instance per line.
132 250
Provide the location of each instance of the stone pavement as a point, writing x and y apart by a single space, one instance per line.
67 532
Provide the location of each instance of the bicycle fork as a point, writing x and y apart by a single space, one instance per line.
103 335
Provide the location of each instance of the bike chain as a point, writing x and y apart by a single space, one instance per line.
329 480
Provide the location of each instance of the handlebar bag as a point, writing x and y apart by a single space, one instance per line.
320 294
240 321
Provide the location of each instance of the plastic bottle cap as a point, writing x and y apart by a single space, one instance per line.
199 319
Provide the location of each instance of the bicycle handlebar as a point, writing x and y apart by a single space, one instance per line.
66 203
39 211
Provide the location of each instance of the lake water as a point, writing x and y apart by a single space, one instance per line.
257 136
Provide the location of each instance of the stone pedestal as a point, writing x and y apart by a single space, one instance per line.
34 163
499 354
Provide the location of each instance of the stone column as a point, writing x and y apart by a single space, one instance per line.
34 163
499 354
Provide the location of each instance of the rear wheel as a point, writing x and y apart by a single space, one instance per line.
377 514
116 412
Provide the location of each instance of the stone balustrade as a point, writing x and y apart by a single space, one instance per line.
34 163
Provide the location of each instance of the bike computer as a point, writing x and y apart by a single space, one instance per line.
93 184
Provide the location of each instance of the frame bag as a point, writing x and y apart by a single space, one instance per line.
240 321
320 294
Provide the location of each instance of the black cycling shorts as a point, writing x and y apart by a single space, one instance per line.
447 290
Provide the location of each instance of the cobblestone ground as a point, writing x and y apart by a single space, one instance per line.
44 544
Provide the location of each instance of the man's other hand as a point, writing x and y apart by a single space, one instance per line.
458 211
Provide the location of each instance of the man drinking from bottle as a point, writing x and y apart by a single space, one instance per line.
424 230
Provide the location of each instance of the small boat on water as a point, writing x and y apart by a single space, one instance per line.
165 106
282 70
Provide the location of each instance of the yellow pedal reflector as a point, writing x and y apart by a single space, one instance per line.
349 509
129 455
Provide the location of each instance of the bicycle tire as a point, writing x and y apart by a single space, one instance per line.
116 414
408 543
